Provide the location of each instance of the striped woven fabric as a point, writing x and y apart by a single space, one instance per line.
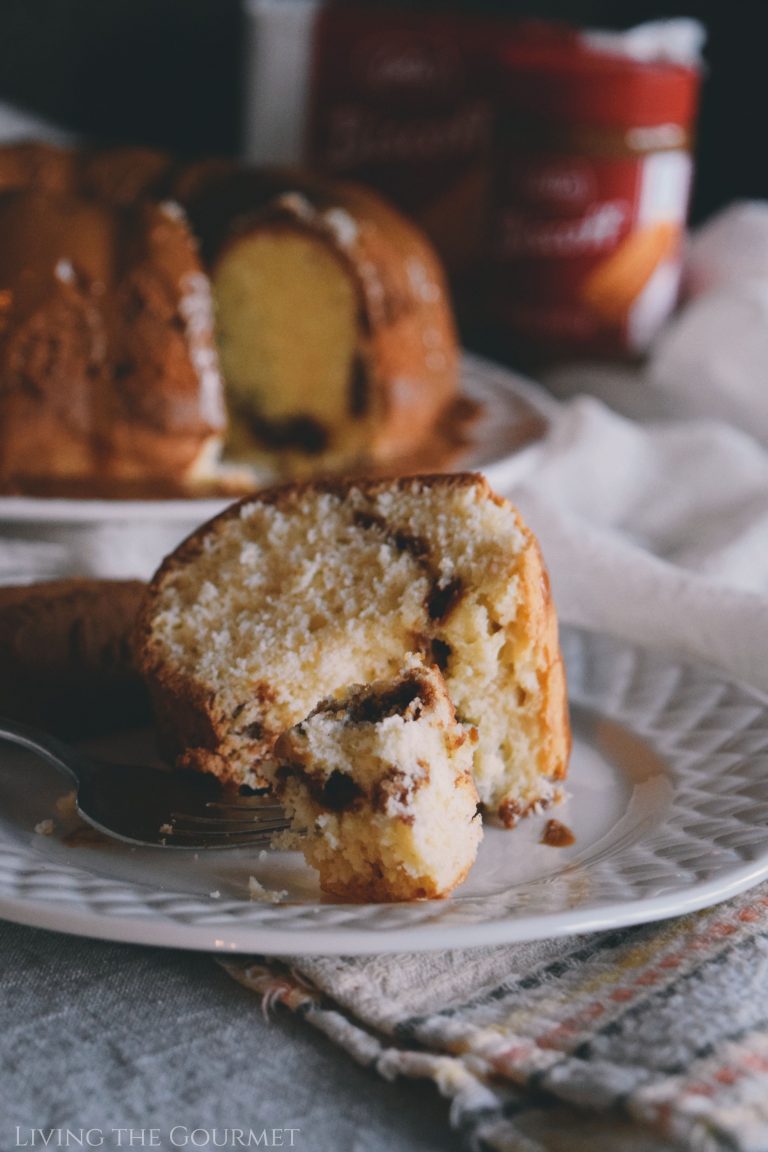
631 1041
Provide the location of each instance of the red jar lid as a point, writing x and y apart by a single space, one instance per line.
558 77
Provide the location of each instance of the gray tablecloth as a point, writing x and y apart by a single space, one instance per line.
97 1036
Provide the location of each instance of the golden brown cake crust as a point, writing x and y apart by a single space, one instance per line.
66 660
196 730
44 167
107 364
391 890
123 175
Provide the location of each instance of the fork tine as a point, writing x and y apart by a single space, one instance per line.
219 826
230 817
188 838
246 804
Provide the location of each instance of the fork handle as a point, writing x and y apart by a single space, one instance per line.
57 753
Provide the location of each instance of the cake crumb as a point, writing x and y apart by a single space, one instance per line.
66 805
215 895
557 835
286 841
44 828
166 829
257 891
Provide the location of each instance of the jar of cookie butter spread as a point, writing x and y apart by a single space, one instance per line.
592 176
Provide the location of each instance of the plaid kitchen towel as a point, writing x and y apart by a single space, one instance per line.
630 1041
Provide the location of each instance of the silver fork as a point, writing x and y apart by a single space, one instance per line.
149 806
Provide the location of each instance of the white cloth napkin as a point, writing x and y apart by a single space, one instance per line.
657 533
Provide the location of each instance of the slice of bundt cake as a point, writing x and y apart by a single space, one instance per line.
334 328
298 592
379 781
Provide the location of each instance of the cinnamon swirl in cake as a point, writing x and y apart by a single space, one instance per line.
379 783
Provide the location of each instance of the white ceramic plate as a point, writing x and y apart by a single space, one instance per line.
668 802
45 538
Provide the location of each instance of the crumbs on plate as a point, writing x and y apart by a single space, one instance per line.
257 891
557 835
65 809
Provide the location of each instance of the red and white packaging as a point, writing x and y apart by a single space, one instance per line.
551 168
591 187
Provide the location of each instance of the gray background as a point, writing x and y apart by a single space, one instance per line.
94 1034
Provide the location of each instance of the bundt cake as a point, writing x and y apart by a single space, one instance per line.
333 326
300 591
124 175
107 366
379 782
